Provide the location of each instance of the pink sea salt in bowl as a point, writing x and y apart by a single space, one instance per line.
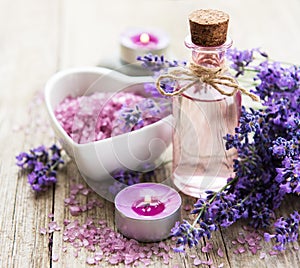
97 160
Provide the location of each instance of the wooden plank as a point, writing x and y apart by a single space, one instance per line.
28 56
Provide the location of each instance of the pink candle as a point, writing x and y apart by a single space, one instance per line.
147 211
138 42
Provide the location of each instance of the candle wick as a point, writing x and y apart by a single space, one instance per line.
144 38
148 199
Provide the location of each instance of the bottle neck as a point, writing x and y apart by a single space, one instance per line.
210 57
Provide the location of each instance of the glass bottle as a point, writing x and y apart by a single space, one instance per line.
202 117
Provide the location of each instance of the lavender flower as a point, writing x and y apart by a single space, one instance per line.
41 165
146 112
241 59
286 230
190 235
278 82
28 160
288 176
131 118
157 64
125 178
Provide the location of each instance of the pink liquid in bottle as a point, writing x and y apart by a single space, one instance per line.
203 116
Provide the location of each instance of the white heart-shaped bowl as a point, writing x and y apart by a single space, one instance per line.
97 160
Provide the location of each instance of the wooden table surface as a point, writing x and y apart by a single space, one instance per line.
39 38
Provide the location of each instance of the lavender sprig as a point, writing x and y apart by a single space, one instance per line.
157 63
240 60
216 209
277 83
41 165
286 230
146 112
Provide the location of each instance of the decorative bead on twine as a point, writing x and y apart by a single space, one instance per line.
214 77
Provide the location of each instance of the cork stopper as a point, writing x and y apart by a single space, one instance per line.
208 27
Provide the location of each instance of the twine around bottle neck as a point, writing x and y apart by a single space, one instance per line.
216 77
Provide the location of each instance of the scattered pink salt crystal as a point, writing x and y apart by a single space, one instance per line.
51 215
99 253
98 258
142 255
83 208
161 244
74 191
241 250
234 242
54 257
197 261
253 250
80 186
187 207
75 253
248 237
85 191
52 226
273 252
208 262
75 210
193 256
241 240
149 255
262 255
67 201
220 252
66 222
207 248
166 258
146 261
85 242
90 260
167 248
221 265
129 259
43 231
204 249
251 242
115 260
89 221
